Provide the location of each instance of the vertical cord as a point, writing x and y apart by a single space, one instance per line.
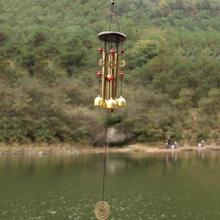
99 86
121 86
110 19
117 22
104 170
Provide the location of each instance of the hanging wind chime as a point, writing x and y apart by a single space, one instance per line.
111 63
110 77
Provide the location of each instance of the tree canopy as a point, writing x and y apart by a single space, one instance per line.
49 63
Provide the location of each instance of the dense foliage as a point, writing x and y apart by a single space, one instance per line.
48 70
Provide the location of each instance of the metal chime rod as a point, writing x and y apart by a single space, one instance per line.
116 74
103 74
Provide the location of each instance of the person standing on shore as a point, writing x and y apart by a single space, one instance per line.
169 142
175 144
201 144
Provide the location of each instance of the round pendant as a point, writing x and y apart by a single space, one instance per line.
102 210
111 64
100 62
122 63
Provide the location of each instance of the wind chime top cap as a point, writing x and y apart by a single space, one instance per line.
112 36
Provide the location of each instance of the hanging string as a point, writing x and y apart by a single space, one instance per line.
121 86
116 19
110 23
99 86
104 169
109 20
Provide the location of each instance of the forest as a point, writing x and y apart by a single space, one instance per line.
49 63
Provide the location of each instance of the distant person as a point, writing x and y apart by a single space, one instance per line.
201 144
175 144
166 143
169 142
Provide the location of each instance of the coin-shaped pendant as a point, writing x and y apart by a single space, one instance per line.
102 210
111 64
122 63
100 62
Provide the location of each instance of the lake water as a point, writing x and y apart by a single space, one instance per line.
179 185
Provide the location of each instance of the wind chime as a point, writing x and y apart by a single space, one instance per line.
111 63
110 78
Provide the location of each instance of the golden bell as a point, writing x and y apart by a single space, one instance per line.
98 101
121 102
111 104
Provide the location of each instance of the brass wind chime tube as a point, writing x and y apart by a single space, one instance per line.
108 77
111 73
116 75
104 76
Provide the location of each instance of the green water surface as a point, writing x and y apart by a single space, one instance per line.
178 185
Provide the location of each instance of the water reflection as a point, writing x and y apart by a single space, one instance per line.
116 163
201 154
171 156
116 166
180 185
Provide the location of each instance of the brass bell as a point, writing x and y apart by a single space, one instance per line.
121 102
111 104
98 101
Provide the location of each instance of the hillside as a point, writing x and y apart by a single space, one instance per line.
49 64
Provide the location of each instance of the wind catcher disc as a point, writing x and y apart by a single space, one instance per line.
102 210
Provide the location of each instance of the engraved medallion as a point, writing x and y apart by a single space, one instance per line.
111 64
100 62
122 63
102 210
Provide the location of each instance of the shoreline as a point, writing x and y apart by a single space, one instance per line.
68 149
